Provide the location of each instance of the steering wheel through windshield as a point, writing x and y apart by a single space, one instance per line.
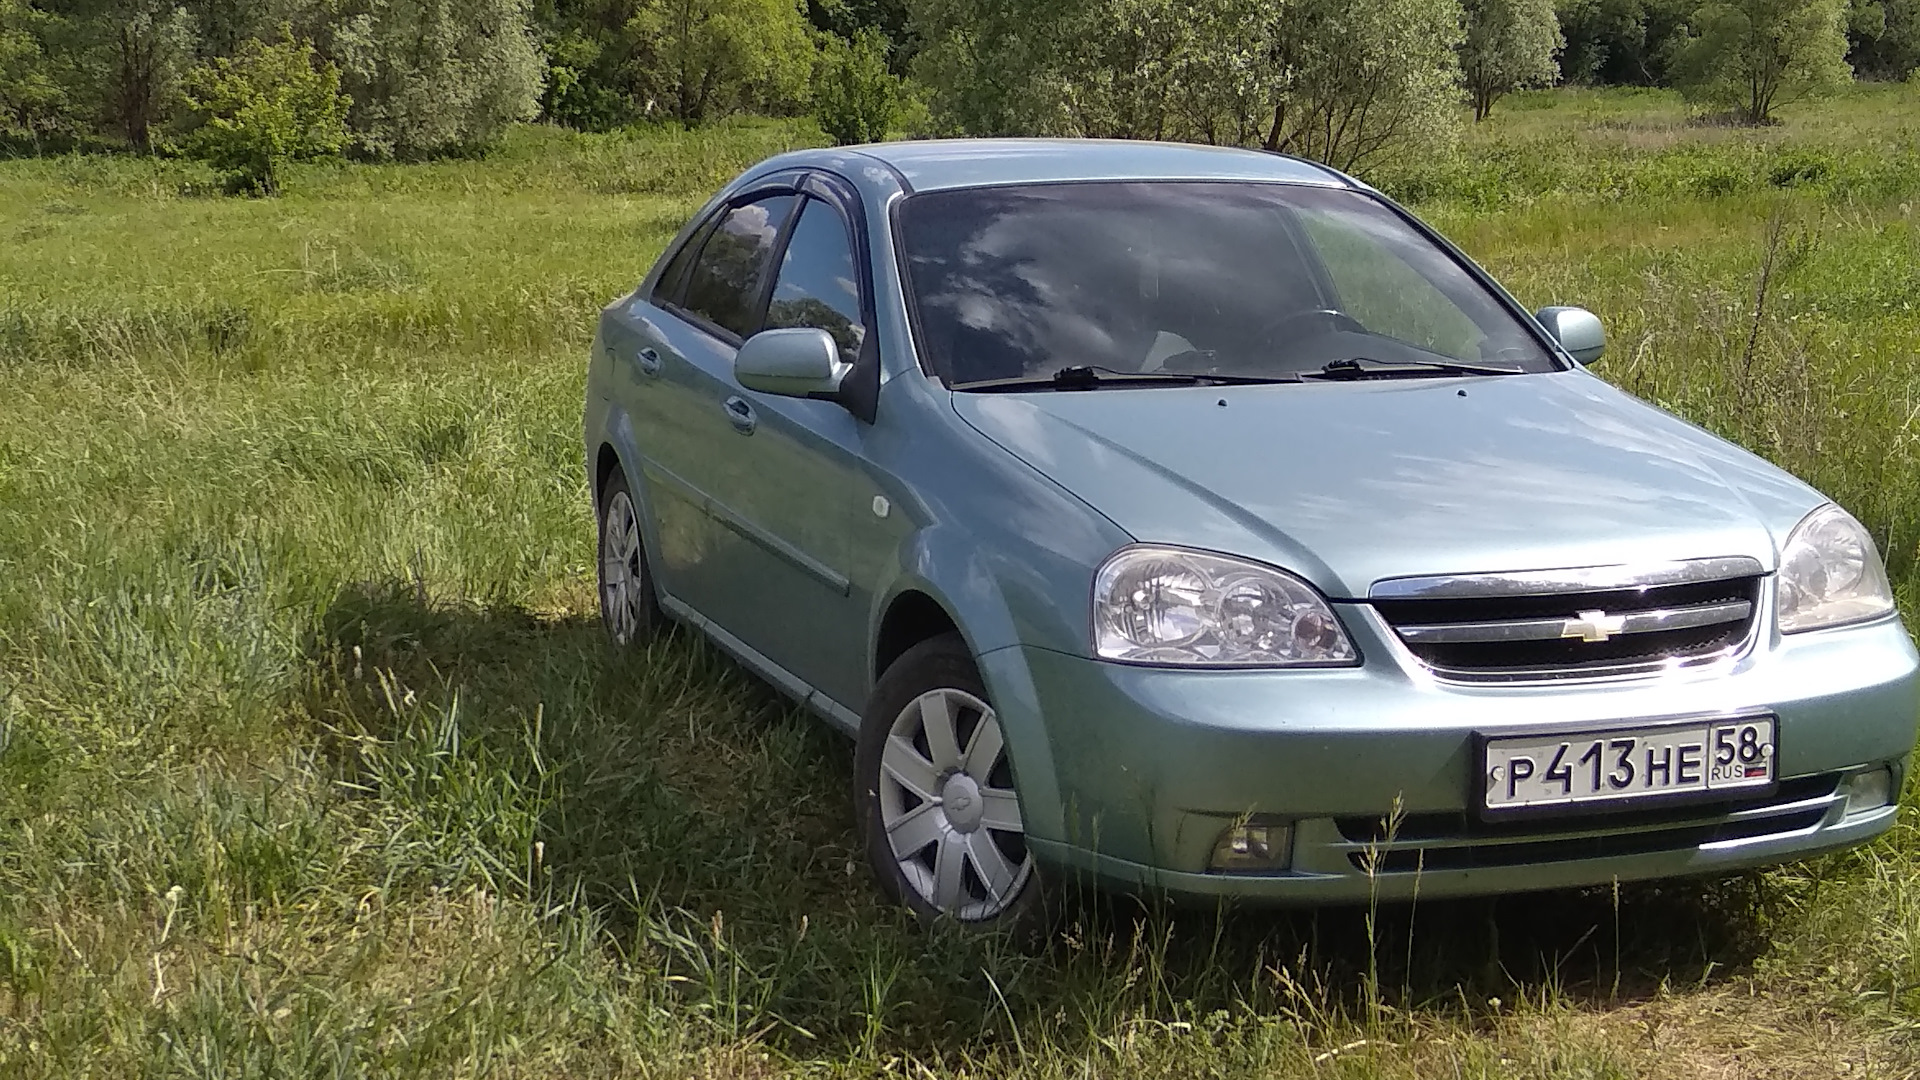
1311 323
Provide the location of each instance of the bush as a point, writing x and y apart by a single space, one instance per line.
429 76
32 103
855 98
268 105
1348 82
706 58
1753 55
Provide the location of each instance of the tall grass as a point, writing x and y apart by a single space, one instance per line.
313 761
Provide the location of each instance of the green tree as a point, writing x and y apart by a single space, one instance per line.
855 98
1342 81
1751 56
267 106
1353 81
1509 44
32 101
708 57
428 76
1621 42
122 60
1885 38
848 19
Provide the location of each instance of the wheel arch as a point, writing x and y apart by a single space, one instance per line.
943 586
911 617
606 462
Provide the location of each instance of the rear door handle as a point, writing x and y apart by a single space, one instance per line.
649 362
740 414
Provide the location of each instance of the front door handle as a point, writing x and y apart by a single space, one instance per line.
740 414
649 362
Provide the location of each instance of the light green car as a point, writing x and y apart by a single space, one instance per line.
1197 520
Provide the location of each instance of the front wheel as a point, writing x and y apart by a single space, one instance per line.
936 795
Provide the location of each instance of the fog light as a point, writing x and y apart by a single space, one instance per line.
1254 845
1869 790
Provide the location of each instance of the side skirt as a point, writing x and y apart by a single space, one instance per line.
842 718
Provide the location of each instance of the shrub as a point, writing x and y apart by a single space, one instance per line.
855 98
429 76
32 102
1348 82
703 58
268 105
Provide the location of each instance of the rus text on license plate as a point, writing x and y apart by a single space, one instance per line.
1627 764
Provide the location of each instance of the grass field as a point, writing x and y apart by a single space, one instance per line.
313 762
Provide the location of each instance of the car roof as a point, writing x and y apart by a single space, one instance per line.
935 164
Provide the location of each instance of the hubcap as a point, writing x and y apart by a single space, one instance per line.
948 805
622 575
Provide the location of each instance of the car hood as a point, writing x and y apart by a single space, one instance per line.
1351 483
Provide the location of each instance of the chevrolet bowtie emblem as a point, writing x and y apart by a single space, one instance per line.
1593 626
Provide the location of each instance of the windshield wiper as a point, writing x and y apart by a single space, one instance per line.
1090 377
1362 367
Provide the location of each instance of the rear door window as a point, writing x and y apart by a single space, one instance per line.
672 280
725 286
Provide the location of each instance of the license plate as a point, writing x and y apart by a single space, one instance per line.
1628 764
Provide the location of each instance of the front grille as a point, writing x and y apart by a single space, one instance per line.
1592 632
1432 842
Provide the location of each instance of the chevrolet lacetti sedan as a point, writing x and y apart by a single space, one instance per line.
1199 521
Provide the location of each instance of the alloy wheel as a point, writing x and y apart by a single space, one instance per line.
949 808
623 575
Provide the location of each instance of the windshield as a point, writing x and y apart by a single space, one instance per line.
1234 279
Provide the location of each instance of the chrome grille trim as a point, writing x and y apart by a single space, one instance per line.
1636 622
1526 628
1569 580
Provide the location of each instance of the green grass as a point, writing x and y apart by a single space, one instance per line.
313 761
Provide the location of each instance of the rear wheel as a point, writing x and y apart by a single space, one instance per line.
936 796
629 608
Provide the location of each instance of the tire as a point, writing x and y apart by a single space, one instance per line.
939 814
629 606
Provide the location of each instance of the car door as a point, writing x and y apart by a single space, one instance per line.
675 352
751 494
796 483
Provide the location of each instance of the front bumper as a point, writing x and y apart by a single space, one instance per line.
1129 773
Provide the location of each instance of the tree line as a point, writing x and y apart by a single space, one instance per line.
252 83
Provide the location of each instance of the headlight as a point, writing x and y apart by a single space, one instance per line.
1159 605
1830 573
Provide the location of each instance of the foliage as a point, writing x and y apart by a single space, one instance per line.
708 57
579 92
1509 44
855 98
428 76
1749 56
620 61
851 19
1885 38
32 101
267 106
1621 42
123 61
1342 81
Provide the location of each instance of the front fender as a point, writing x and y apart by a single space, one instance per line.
1002 596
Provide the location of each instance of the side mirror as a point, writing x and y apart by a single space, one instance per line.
1577 330
800 362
